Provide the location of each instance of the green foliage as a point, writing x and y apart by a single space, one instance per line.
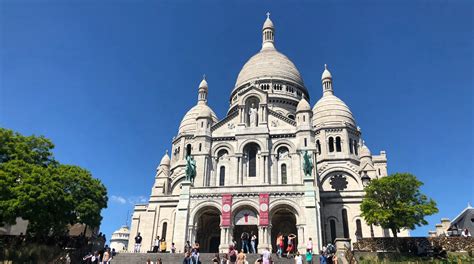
37 188
395 202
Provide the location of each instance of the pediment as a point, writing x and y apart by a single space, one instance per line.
226 126
367 167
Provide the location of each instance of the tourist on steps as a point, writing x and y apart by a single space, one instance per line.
138 243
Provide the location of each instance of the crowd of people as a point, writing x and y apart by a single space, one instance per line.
159 245
103 256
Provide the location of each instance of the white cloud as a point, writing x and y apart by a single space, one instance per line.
118 199
129 200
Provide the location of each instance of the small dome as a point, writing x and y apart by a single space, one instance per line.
165 160
269 63
268 23
203 83
188 124
326 73
330 110
365 151
303 105
205 112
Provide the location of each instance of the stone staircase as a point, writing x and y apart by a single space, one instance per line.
167 258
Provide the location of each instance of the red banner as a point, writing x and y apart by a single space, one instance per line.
264 202
226 210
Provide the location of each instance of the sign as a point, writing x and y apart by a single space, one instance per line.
263 207
226 210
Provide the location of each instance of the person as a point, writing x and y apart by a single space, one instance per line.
158 261
259 260
156 244
279 244
187 258
232 255
266 256
309 257
298 258
163 245
196 245
245 240
334 259
225 259
465 233
253 240
148 261
106 258
241 258
173 248
113 252
322 257
95 259
309 245
216 259
291 242
194 256
87 258
187 247
138 243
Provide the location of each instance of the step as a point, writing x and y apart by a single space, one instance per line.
168 258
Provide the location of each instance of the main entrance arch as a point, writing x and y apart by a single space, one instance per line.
245 221
208 232
283 219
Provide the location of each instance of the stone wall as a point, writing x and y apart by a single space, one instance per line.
416 245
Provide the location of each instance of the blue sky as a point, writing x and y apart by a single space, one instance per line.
109 81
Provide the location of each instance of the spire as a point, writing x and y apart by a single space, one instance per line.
202 92
268 34
326 78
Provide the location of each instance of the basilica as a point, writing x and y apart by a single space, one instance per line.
249 174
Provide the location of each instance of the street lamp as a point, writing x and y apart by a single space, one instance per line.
365 179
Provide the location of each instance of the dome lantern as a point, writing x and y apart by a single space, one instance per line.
268 34
326 79
203 88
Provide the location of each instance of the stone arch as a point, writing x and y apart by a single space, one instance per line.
222 145
246 203
203 206
347 171
259 95
176 181
206 224
284 219
286 204
248 141
283 142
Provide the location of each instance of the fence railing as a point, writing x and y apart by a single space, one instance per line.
415 245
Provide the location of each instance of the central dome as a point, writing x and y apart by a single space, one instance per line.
269 63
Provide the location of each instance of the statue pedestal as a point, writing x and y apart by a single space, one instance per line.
181 223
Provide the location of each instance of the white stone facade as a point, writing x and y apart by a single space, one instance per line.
119 239
257 148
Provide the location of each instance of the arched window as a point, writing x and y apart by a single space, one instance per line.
282 152
345 225
379 172
163 230
304 118
351 146
222 176
292 117
221 153
358 229
338 144
305 142
188 150
356 149
284 179
331 144
318 146
332 224
202 123
251 152
200 146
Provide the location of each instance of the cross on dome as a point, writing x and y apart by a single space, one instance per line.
268 14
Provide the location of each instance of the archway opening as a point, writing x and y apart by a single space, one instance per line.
245 226
250 151
283 223
208 232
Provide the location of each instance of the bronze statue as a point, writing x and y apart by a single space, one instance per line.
190 168
307 164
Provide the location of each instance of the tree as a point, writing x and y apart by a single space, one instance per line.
34 186
395 202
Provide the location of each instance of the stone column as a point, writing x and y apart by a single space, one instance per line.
301 238
181 223
238 169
